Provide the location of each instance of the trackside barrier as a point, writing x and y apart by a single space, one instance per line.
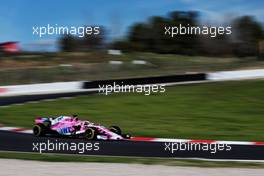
41 89
235 75
147 80
65 88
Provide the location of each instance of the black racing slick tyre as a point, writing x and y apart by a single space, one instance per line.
39 130
90 134
115 129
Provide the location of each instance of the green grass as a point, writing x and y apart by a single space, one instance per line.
104 159
222 111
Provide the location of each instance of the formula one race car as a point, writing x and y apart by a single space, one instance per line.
73 127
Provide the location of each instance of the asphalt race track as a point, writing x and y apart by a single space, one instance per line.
12 141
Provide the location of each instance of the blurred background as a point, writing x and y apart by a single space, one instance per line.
131 42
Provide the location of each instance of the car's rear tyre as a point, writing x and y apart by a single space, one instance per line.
90 134
116 130
39 130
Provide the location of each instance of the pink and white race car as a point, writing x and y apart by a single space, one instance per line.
73 127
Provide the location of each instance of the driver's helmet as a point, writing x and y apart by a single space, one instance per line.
75 118
86 123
